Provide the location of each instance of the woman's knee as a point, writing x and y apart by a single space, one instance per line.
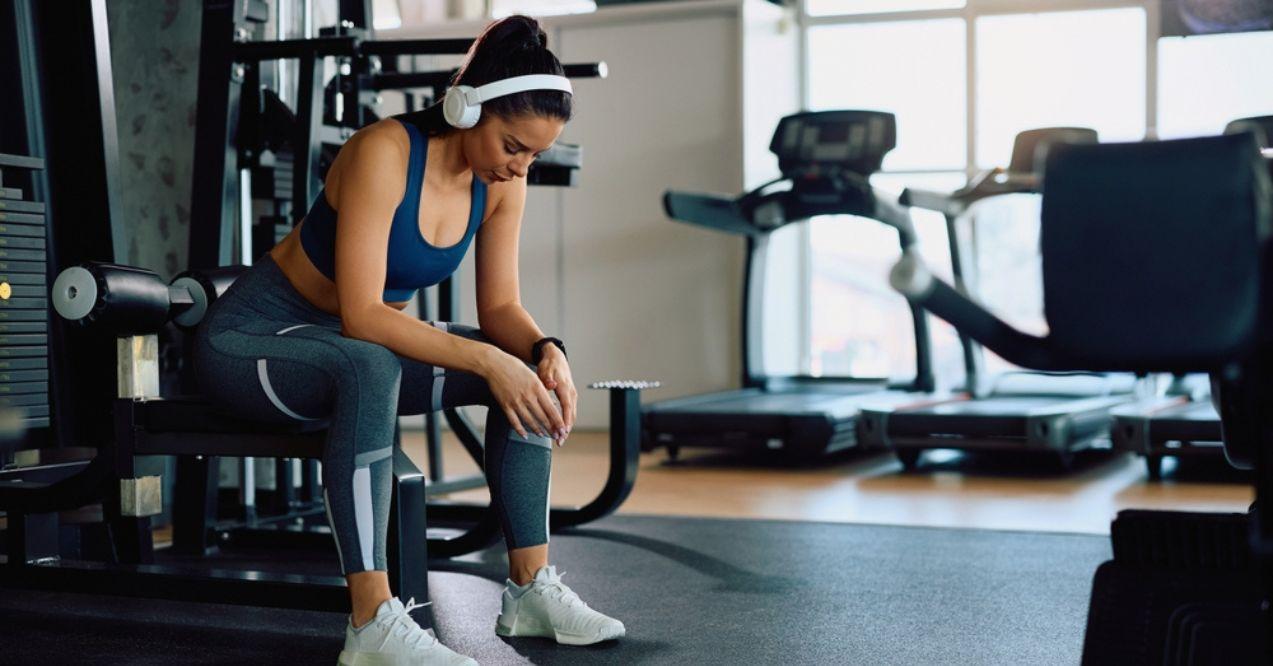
368 361
369 374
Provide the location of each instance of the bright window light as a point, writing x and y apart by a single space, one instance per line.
914 69
1009 265
386 14
860 326
1080 68
502 8
1204 82
859 323
829 7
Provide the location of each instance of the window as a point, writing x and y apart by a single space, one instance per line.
502 8
876 66
827 7
386 14
1050 63
1204 82
1005 236
860 326
1080 68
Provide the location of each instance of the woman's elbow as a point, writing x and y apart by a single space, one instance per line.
359 322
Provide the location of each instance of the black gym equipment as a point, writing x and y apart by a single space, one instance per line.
51 56
24 340
1174 426
1169 426
826 159
1183 588
1018 411
112 419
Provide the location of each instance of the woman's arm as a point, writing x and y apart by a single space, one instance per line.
499 306
371 186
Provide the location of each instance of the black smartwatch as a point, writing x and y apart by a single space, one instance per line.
537 349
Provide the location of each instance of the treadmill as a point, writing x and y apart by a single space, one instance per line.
1061 413
1177 426
1168 426
826 159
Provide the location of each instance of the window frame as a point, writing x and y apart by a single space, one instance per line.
970 12
973 10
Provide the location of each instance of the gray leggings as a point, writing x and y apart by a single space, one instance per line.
264 352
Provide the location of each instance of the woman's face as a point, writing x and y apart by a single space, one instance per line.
501 149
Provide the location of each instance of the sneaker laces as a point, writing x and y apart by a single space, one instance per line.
414 635
553 588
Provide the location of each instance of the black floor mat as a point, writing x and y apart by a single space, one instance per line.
692 591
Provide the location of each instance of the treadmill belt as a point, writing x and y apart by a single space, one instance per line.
1015 406
1025 418
794 402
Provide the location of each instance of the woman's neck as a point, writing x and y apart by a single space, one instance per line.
450 167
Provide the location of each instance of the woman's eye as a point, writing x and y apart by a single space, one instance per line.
510 150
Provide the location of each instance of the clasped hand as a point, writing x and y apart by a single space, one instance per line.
526 395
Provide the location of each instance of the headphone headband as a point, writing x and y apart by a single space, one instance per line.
462 106
517 84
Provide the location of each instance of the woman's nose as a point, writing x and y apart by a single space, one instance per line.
520 167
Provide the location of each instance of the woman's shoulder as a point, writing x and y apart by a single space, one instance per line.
377 153
384 138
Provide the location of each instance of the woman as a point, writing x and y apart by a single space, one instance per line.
315 331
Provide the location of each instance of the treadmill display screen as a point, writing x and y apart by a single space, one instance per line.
834 137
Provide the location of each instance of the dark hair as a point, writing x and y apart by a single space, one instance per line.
509 47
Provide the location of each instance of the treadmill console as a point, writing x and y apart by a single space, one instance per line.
856 141
826 158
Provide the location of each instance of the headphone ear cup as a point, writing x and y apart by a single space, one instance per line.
456 110
471 116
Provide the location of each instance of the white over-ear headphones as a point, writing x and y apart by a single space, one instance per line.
462 106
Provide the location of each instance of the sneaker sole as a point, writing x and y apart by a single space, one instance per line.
364 659
372 659
522 630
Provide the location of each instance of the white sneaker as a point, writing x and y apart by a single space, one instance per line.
393 638
546 608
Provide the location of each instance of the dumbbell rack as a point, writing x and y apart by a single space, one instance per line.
24 320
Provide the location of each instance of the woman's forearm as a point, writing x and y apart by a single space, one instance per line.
404 334
511 328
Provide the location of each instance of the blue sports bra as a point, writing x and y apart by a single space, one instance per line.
413 263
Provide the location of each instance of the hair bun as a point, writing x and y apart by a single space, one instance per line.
524 32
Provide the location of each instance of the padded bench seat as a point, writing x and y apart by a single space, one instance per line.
192 425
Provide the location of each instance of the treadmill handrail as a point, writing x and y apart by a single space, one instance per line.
992 183
714 211
741 214
890 211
